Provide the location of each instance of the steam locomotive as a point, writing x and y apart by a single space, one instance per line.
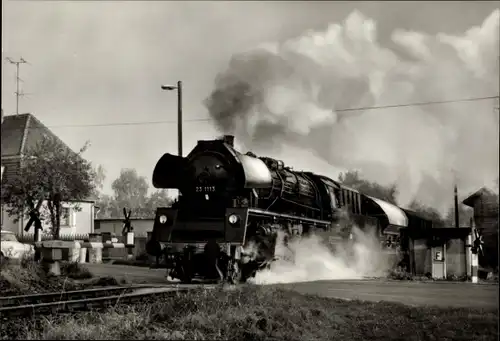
233 208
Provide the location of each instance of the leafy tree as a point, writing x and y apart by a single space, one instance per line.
426 212
157 199
99 178
131 191
107 207
354 180
49 172
464 215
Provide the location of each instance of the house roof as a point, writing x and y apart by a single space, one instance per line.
22 132
19 134
13 128
469 201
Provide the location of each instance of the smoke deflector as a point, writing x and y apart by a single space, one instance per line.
169 171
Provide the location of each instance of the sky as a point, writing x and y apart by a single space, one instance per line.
102 62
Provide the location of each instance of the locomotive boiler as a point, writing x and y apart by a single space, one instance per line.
233 208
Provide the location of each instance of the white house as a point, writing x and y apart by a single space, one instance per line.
76 218
19 133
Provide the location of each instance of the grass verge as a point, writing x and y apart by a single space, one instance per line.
261 313
29 277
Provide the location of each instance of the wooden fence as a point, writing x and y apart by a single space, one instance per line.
30 237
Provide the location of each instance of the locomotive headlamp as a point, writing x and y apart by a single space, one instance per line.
163 219
233 219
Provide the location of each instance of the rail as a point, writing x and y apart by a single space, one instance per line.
36 307
58 296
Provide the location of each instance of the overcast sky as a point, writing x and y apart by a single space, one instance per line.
97 62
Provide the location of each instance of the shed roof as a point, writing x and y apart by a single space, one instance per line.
469 201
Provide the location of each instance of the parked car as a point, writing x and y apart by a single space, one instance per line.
11 248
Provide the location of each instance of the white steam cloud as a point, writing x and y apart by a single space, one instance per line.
296 263
290 95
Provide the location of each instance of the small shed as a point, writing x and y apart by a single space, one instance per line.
435 249
485 205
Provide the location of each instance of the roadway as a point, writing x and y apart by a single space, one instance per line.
443 294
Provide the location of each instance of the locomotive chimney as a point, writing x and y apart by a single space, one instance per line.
229 139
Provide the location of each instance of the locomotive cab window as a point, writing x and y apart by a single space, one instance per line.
337 197
345 198
357 209
333 198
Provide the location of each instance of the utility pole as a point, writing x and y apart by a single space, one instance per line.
455 197
18 79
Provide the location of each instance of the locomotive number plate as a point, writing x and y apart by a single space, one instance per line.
205 189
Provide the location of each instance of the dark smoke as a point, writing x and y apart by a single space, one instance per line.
289 95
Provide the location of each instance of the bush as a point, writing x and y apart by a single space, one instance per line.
28 276
75 270
455 278
142 257
400 274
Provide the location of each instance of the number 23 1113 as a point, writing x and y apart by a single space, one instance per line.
205 188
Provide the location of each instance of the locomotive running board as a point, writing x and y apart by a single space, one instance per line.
257 211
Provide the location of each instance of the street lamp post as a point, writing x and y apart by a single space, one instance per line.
457 218
179 112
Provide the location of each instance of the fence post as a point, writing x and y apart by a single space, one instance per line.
37 238
129 242
106 236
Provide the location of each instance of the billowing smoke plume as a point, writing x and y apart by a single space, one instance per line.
291 95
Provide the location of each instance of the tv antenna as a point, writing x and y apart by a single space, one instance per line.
18 93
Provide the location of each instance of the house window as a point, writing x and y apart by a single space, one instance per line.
64 218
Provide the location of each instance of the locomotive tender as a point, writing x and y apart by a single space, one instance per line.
233 207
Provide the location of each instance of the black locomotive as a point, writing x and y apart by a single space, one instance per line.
233 207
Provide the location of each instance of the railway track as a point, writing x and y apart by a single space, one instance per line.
96 298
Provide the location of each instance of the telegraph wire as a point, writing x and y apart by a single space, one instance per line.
420 104
416 104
